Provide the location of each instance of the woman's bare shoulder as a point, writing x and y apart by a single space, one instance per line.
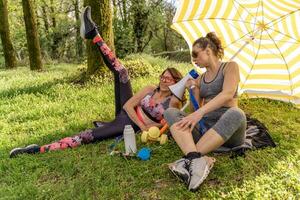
149 88
230 67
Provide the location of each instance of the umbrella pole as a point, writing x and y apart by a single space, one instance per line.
246 43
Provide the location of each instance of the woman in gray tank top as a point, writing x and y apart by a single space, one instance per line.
224 121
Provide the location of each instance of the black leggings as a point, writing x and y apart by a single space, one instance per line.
123 92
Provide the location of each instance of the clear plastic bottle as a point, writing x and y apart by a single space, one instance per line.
129 139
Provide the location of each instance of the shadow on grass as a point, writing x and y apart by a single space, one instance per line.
37 89
151 179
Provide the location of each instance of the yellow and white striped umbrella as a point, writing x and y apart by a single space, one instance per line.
263 36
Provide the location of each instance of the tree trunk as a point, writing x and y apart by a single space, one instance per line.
33 44
56 35
34 3
124 6
45 18
140 17
115 8
79 44
102 15
9 53
52 13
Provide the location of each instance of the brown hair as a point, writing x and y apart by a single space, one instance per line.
177 77
213 42
174 73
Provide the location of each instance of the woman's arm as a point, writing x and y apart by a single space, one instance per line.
231 81
195 84
230 85
135 101
175 102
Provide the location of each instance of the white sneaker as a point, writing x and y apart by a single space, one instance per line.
179 169
199 169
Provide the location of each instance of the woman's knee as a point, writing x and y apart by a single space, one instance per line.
232 120
172 115
236 114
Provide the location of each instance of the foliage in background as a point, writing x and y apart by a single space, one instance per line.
58 26
144 26
46 106
2 61
7 47
57 29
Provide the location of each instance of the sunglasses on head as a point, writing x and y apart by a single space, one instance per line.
194 54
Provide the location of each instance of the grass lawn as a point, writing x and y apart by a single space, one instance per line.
43 107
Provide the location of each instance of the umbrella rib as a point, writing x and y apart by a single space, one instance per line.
255 19
236 40
228 23
259 44
282 17
243 8
284 41
298 41
266 48
286 65
237 28
240 15
262 10
217 18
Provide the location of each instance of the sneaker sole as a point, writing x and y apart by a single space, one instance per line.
82 25
19 150
86 23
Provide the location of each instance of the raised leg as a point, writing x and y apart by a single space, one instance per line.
123 90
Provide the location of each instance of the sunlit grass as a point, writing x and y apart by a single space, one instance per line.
40 107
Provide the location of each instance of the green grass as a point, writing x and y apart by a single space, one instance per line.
43 107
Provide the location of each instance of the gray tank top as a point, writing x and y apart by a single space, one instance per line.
209 90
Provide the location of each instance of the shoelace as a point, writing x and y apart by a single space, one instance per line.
188 164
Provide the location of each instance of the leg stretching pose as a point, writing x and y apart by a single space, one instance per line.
151 100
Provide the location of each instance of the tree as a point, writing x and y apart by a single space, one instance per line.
140 16
60 29
164 39
102 15
142 10
33 44
79 44
9 52
124 39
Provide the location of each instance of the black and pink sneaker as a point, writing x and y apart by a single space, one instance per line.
30 149
88 28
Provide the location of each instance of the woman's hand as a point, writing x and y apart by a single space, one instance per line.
190 82
190 121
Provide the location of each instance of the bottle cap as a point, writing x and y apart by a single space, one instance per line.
128 126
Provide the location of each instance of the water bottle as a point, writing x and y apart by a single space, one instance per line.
129 139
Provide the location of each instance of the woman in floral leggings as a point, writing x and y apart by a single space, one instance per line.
142 110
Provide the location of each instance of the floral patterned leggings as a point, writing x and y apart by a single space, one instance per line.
123 92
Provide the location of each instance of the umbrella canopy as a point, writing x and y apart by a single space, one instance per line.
262 36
